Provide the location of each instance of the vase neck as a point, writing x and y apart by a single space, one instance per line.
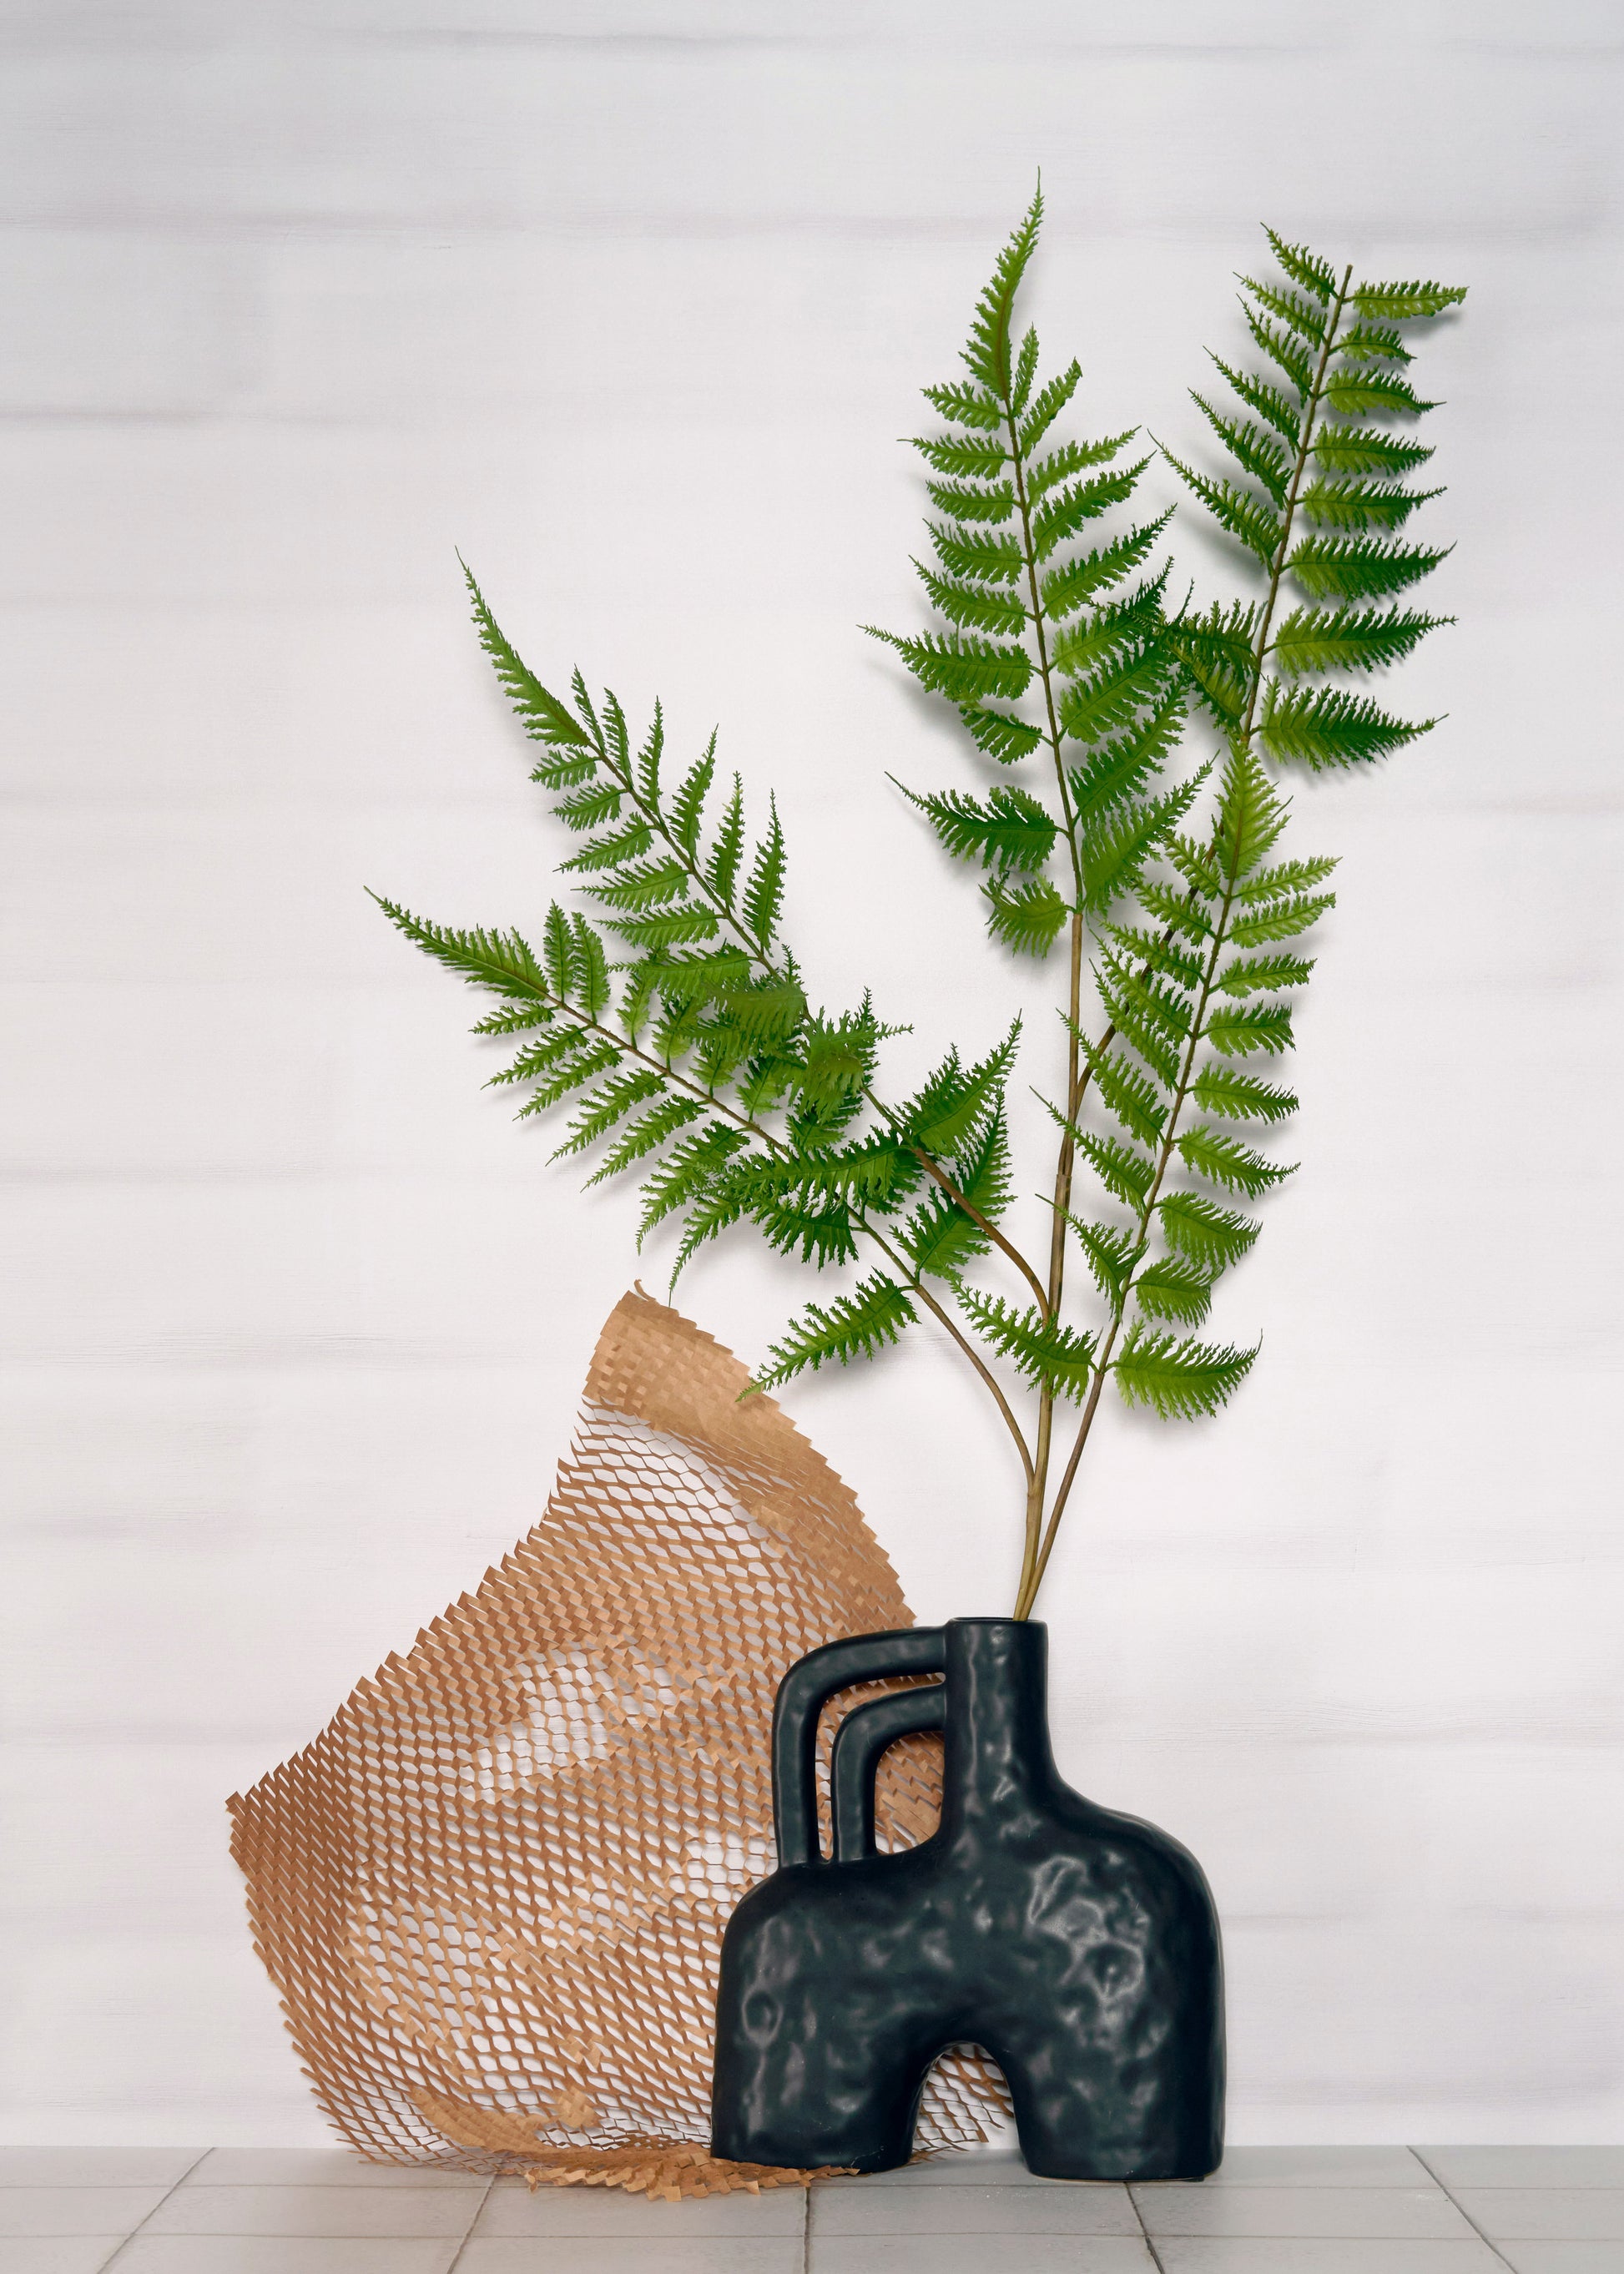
998 1753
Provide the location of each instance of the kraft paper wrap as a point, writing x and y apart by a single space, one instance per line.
492 1893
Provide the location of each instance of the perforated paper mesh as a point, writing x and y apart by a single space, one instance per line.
491 1893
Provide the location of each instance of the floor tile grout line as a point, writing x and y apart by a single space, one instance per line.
468 2231
1465 2214
110 2262
1156 2255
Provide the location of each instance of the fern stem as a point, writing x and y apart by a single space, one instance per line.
915 1281
1065 1161
1187 1072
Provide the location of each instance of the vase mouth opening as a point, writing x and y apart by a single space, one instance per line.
1037 1626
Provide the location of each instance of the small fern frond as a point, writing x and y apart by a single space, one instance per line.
1028 917
1210 1236
1222 1161
1327 726
855 1325
1348 639
763 894
1235 1096
1180 1380
1256 524
1052 1355
1012 830
986 351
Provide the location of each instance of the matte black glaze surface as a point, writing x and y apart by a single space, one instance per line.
1079 1947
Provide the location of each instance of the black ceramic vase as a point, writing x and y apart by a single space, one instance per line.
1079 1947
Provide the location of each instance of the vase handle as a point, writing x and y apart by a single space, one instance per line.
859 1741
803 1694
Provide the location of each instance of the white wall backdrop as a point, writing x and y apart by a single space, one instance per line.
629 301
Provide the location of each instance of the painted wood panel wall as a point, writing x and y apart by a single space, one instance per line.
629 301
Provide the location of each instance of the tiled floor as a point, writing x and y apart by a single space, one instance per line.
1269 2210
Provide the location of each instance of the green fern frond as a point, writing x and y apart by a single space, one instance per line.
1250 975
1223 1161
501 961
608 1106
1114 849
1216 649
1126 1172
1304 268
1072 458
1245 516
1366 450
1327 726
1256 453
687 1173
1356 393
1253 1027
1348 639
965 406
545 719
1281 919
1028 917
1180 1380
1212 1236
1398 303
1051 402
1117 771
1282 351
512 1019
1011 831
963 501
1270 403
986 351
1048 1354
1110 1254
1064 513
1299 317
590 806
963 668
629 843
977 553
978 458
1251 815
1174 1288
594 1056
1138 1025
1287 876
688 806
679 927
537 1058
1000 734
1348 504
642 885
763 894
854 1326
722 868
1356 569
1235 1096
1112 699
956 1099
1063 590
1113 628
647 1135
1157 952
1175 911
1374 343
974 607
1125 1094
